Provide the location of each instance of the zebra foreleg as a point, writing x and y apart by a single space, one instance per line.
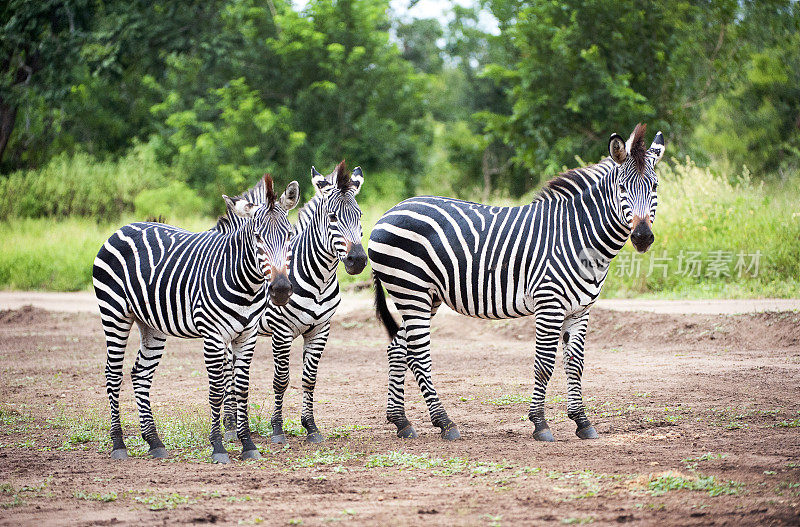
116 328
418 337
313 346
229 406
395 406
281 344
548 329
214 355
574 341
142 376
242 353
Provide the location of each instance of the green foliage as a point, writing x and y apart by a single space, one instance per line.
80 185
581 70
176 200
754 121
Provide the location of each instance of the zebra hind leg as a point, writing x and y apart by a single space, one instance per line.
417 326
313 346
116 327
147 360
574 340
395 406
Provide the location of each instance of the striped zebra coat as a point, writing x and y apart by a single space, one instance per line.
208 285
548 259
328 231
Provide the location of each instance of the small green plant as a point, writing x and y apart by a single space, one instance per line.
96 496
324 457
691 462
158 502
668 482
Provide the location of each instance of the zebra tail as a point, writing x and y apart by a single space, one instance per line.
382 310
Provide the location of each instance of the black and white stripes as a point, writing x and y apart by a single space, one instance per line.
548 259
328 231
208 285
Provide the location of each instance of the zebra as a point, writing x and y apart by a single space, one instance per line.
548 259
328 231
208 285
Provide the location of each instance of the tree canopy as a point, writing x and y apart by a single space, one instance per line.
222 91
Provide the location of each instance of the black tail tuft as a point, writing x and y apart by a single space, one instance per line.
382 310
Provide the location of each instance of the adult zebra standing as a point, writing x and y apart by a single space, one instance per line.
208 285
328 231
548 259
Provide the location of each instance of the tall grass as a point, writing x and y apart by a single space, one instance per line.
715 236
45 254
701 217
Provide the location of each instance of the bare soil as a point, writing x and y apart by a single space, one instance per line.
676 398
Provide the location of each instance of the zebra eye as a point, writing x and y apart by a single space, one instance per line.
332 217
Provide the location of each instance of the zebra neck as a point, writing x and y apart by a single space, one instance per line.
314 261
600 226
244 273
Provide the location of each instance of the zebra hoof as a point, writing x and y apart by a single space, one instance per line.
159 453
451 433
120 453
587 433
407 433
544 435
221 457
251 454
315 437
230 435
278 438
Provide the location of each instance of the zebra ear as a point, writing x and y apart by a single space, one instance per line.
616 149
240 206
318 179
657 148
356 179
291 196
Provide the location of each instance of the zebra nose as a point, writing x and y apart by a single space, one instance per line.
642 237
356 259
280 290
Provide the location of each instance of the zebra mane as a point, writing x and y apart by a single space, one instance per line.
573 182
638 150
306 213
261 192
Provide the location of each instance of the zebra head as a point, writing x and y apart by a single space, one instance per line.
342 216
637 182
268 224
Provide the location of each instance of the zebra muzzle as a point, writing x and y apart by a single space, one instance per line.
280 288
355 259
642 235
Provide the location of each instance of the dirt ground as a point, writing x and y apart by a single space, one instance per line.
698 415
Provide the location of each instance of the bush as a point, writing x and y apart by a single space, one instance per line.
80 185
176 200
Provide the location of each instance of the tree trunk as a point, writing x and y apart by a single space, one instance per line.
8 116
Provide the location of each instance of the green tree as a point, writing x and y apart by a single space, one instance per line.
582 69
756 120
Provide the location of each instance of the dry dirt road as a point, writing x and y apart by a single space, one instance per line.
698 415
